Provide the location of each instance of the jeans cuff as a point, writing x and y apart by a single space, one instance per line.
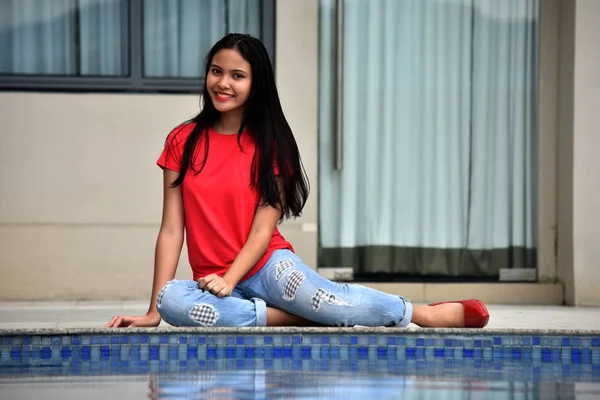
261 311
408 312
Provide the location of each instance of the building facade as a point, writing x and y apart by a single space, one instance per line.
81 195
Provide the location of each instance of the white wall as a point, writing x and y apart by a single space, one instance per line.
586 163
547 140
296 54
564 243
578 144
80 191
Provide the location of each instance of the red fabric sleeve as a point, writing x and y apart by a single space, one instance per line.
170 157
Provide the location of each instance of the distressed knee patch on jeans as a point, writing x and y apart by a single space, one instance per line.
321 296
161 294
281 267
292 284
204 314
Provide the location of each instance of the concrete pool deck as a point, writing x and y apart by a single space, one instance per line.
73 315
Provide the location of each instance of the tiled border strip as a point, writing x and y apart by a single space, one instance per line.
482 354
56 347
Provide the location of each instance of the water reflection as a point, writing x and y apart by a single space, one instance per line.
235 385
287 384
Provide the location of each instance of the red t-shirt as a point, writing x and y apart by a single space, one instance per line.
219 203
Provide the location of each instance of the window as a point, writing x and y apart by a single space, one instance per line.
428 130
120 45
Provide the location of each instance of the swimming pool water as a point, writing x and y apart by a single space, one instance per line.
313 364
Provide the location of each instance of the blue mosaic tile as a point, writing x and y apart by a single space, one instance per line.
211 352
160 350
230 352
45 353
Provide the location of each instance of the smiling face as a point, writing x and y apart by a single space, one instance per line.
228 81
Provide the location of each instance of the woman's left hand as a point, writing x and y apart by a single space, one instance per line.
216 285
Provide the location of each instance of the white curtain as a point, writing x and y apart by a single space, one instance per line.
179 33
439 127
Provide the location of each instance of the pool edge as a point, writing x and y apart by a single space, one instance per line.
297 330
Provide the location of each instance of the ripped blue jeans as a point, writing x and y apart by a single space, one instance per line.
286 283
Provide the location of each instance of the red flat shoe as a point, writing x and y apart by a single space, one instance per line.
476 314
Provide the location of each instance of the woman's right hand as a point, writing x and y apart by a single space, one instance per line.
142 321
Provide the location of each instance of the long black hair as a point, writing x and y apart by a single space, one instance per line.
263 118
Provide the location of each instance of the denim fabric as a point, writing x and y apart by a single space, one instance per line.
183 303
285 282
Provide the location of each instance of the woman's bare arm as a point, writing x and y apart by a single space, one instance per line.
167 252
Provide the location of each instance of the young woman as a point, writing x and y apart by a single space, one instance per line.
230 175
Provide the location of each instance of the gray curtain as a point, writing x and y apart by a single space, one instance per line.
91 37
64 37
179 33
439 137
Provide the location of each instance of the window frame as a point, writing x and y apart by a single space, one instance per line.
135 83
